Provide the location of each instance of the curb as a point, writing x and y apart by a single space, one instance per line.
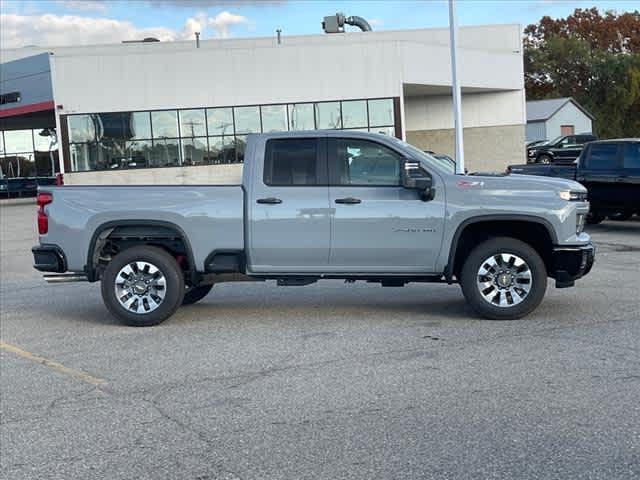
17 201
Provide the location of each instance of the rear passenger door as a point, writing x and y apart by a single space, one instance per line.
288 207
377 225
599 172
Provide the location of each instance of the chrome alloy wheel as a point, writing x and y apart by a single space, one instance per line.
504 280
140 287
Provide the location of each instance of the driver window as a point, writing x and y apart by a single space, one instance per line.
365 163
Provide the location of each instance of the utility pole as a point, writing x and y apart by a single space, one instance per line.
455 87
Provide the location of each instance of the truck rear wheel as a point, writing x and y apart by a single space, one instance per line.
143 286
503 279
195 294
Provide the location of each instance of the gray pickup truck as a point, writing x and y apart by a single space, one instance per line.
319 205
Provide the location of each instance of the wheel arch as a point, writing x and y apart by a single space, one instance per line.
498 225
145 229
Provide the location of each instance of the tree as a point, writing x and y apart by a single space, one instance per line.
593 58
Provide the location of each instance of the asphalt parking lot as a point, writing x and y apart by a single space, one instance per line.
326 381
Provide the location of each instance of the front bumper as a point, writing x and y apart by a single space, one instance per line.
49 258
571 263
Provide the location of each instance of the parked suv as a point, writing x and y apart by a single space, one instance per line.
563 149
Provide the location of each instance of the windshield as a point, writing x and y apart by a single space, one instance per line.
443 163
555 140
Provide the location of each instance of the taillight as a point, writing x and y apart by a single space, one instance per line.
43 221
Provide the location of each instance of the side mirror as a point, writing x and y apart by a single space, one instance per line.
415 178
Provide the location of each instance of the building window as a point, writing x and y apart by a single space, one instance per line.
247 119
328 116
28 153
354 114
164 124
301 117
204 136
381 112
220 121
193 123
274 118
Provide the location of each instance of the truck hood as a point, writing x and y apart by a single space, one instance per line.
527 182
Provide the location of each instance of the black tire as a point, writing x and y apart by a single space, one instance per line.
470 275
196 294
593 218
173 286
621 216
546 159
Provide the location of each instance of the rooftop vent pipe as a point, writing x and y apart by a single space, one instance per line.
335 23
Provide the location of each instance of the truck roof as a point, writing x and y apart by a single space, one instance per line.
617 140
321 133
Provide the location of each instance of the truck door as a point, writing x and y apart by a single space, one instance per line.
599 173
288 206
377 225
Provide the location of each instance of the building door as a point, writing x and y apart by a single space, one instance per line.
567 130
377 225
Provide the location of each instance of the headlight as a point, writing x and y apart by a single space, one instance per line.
573 196
580 218
531 153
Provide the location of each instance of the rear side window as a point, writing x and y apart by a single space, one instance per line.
291 161
364 163
631 155
602 156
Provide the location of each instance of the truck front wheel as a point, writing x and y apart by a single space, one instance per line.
503 279
143 286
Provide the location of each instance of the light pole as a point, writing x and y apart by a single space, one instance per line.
455 87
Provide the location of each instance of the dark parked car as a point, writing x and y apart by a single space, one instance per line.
560 150
610 169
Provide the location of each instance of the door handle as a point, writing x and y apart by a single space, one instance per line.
348 200
269 200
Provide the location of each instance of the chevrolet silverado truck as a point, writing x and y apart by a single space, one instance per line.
609 169
319 205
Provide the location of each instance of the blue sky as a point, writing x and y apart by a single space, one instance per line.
58 22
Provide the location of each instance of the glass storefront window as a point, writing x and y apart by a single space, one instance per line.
240 145
220 121
247 119
81 128
328 115
354 114
18 141
192 123
198 136
44 140
194 151
138 154
301 117
274 118
381 112
165 152
164 124
222 150
139 125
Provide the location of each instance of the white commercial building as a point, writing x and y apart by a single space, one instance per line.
165 112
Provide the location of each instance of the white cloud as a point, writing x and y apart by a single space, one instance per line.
376 22
221 23
57 30
205 4
84 5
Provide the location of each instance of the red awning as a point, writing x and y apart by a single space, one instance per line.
23 109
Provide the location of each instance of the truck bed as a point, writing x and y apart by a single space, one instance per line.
211 217
567 171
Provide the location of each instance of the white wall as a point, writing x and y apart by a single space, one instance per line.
249 71
569 114
478 110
